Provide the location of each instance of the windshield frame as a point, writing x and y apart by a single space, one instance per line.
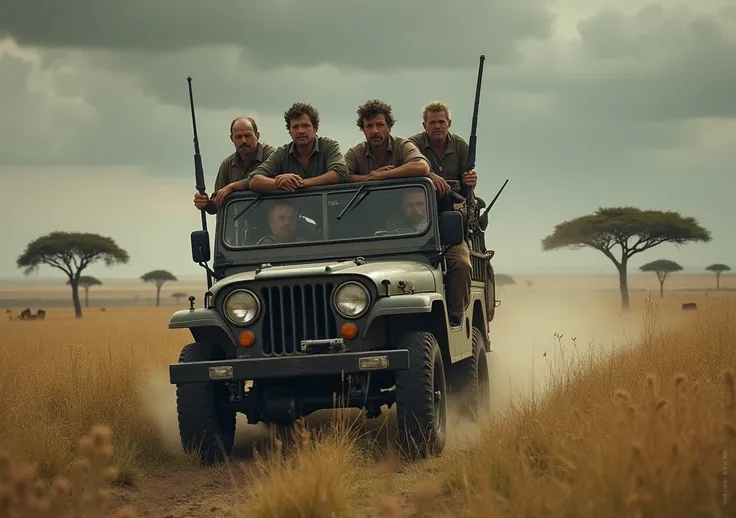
427 239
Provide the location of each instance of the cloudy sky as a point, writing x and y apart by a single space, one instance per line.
586 103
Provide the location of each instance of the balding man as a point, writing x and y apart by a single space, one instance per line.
249 154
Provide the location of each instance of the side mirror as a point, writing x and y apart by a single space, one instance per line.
452 230
200 246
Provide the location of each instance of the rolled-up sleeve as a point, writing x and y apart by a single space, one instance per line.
410 153
335 161
271 167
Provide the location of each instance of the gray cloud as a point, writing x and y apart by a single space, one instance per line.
600 104
382 35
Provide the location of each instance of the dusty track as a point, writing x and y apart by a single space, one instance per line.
521 338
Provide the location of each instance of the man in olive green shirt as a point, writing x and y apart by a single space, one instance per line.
382 156
447 154
249 154
306 161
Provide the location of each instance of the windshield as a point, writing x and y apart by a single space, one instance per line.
293 218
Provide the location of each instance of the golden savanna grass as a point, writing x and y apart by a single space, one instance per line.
642 431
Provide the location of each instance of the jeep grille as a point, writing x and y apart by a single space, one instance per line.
294 313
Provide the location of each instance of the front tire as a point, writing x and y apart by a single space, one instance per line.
421 398
205 426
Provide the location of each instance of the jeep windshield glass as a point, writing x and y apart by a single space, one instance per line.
377 211
291 219
274 220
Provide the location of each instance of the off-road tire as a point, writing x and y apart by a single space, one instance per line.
205 426
422 418
469 384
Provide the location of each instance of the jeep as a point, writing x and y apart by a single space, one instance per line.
352 310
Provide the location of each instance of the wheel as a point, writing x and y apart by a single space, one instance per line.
205 426
421 395
469 381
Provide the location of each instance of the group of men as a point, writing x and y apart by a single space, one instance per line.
310 160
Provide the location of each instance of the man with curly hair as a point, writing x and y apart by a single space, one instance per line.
249 154
382 156
306 161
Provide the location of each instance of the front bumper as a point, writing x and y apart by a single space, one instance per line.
289 366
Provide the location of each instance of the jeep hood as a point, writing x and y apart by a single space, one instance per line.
417 275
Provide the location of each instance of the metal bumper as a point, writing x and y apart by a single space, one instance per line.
289 366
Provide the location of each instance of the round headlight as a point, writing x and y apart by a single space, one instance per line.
241 307
351 300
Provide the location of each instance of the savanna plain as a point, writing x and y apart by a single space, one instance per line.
596 412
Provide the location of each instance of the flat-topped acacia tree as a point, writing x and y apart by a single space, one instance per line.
718 269
662 267
71 252
632 230
158 278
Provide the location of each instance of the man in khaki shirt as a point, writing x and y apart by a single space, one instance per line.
249 154
382 156
447 154
306 161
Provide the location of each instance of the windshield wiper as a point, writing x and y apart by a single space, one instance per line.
247 207
350 206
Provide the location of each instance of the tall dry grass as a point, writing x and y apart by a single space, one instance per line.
647 430
644 431
60 377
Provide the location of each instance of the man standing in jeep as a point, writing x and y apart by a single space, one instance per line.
249 154
447 154
307 160
382 156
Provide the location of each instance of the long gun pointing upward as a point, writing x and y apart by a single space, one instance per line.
198 170
468 192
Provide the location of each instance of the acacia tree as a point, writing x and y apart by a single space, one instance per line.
71 252
178 296
633 230
158 278
718 269
662 267
86 282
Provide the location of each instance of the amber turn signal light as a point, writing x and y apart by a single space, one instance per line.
247 338
349 330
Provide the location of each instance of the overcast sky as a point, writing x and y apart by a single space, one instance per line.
586 103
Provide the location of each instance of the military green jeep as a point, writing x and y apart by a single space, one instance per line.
328 294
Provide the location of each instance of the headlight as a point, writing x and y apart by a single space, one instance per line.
351 300
242 307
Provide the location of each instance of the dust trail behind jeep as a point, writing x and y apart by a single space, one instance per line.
329 295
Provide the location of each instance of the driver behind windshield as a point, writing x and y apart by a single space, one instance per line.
282 218
413 212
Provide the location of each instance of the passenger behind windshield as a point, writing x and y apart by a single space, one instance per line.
274 221
282 219
413 216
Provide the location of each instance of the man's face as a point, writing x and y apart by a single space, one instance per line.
243 137
376 130
301 130
282 222
437 125
414 207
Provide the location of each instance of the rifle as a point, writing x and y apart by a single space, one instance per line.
481 224
198 170
468 192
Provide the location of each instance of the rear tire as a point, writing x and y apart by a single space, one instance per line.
469 381
421 398
205 426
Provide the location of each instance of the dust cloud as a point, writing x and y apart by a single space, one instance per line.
524 330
